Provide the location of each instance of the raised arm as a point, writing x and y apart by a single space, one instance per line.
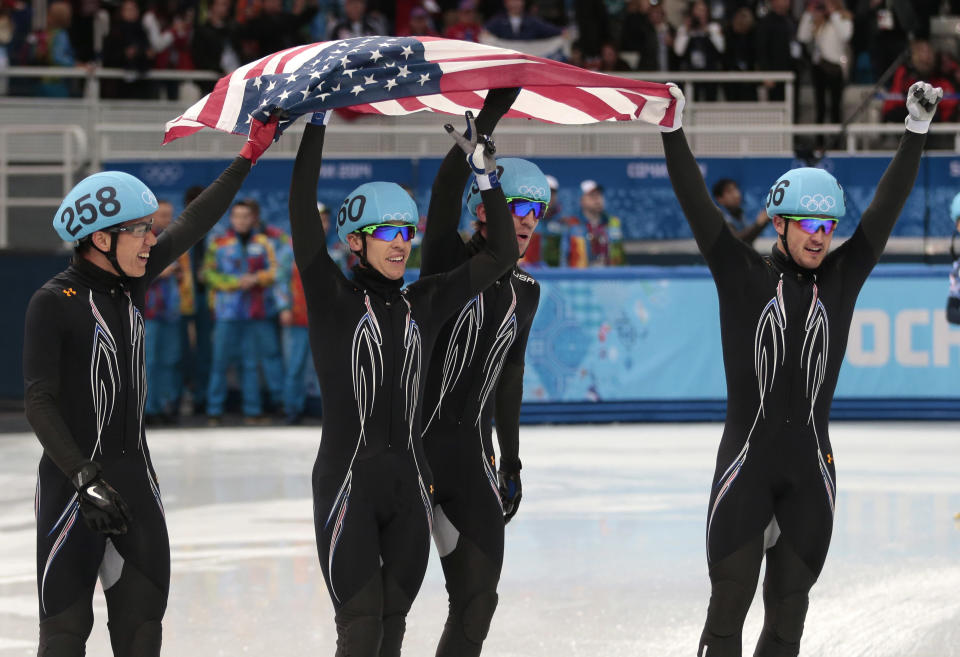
897 182
203 213
306 226
702 214
442 247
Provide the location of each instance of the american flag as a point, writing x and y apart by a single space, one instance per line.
402 75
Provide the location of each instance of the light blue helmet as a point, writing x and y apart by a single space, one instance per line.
518 179
955 208
100 201
806 191
375 203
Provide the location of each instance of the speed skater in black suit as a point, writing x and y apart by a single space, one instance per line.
85 388
372 339
784 320
476 375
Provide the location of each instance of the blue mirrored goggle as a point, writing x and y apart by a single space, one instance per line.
524 206
389 232
811 225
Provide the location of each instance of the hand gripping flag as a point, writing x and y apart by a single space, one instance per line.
393 76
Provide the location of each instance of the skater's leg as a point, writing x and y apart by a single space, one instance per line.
733 581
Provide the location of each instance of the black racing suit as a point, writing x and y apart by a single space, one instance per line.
85 387
784 333
476 372
371 340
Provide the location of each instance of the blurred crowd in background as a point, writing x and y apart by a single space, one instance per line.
829 42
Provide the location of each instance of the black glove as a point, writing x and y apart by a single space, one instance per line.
511 490
103 509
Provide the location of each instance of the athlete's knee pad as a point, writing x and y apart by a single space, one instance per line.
478 614
719 646
358 636
782 624
147 640
65 634
729 603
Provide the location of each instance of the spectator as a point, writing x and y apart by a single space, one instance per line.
610 59
89 18
162 345
356 22
638 35
596 240
777 50
516 24
240 268
268 337
420 24
593 27
274 28
126 46
825 28
740 55
467 27
886 26
665 36
52 47
170 32
195 324
699 46
214 47
726 193
923 65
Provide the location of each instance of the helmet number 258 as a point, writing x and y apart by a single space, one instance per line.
87 212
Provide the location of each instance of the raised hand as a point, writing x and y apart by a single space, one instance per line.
922 101
261 136
479 150
677 109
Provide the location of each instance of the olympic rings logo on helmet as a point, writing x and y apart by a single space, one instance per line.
533 190
148 197
396 216
817 202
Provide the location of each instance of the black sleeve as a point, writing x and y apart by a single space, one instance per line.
892 191
449 291
442 247
306 227
751 232
509 395
702 214
197 218
507 415
42 344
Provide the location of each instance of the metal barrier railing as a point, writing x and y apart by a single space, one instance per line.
75 153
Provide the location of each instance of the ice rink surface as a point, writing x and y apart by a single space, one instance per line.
605 558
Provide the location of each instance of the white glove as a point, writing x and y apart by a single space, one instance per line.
677 110
922 101
479 150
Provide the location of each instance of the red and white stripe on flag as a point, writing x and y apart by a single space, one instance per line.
372 77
